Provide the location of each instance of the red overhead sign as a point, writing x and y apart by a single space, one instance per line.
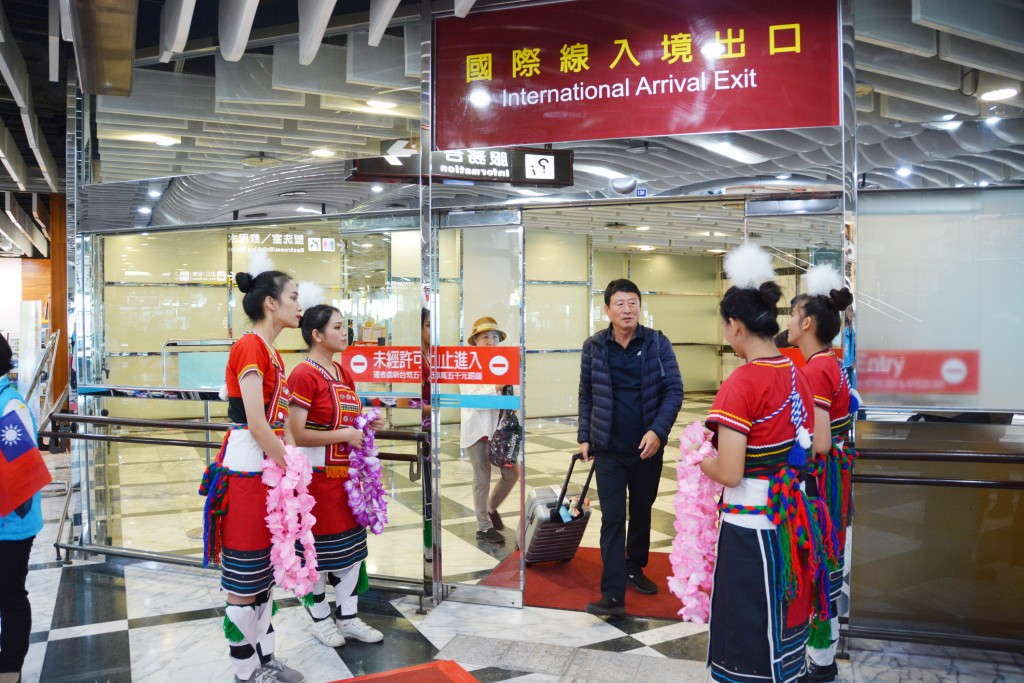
918 372
452 364
596 69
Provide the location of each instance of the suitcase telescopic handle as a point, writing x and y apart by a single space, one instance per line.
565 486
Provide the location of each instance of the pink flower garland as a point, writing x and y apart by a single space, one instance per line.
366 495
289 520
696 506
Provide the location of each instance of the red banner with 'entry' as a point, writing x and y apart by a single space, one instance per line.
452 364
596 69
918 372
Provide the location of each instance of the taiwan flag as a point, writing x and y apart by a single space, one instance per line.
22 470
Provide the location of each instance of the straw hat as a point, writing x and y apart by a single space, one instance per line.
485 324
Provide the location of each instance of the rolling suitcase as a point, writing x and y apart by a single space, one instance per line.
548 538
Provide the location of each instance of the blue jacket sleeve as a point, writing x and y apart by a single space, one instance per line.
672 398
586 396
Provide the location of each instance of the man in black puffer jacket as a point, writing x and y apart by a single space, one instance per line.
630 394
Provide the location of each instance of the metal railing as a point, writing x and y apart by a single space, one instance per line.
392 584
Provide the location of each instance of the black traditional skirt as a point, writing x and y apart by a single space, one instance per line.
750 640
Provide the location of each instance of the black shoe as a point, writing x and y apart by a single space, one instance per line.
496 520
820 674
490 536
606 607
641 583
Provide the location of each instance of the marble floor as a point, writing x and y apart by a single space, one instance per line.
98 619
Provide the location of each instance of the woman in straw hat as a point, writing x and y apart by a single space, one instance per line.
478 424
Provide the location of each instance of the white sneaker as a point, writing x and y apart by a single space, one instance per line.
327 633
359 630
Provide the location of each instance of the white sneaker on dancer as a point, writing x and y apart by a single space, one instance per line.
327 633
358 629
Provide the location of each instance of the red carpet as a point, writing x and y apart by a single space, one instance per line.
571 585
442 671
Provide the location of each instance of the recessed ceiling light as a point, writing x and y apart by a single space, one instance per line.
376 188
303 209
645 247
154 194
643 227
783 176
715 251
145 210
983 183
381 104
366 244
948 117
903 171
992 120
322 153
293 193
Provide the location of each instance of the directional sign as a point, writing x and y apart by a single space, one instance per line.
514 165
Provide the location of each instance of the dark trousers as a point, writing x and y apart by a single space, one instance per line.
624 552
15 611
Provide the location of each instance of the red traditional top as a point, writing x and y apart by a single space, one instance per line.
332 403
755 401
252 354
830 388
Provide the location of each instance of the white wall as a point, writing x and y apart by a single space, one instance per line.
10 302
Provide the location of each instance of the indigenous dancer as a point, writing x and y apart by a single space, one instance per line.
236 533
813 324
759 610
324 406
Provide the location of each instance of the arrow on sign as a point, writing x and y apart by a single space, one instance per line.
396 150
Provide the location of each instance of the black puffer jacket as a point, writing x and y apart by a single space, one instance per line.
661 387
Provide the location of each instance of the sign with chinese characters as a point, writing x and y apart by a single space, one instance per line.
282 242
912 371
596 69
517 166
452 365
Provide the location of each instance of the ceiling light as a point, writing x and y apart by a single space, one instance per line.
599 171
376 188
366 244
715 251
155 138
992 88
643 227
645 247
293 193
903 171
728 150
983 183
480 98
322 153
713 50
992 120
303 209
948 117
154 194
783 176
381 104
948 125
145 210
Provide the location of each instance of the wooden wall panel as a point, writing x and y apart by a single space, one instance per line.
35 280
59 287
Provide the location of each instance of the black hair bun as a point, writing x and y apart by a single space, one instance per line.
841 298
244 281
770 293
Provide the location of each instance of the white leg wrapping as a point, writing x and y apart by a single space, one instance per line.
826 656
245 619
267 639
345 590
320 609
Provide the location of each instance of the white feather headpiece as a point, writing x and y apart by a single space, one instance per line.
820 280
310 294
748 266
259 262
